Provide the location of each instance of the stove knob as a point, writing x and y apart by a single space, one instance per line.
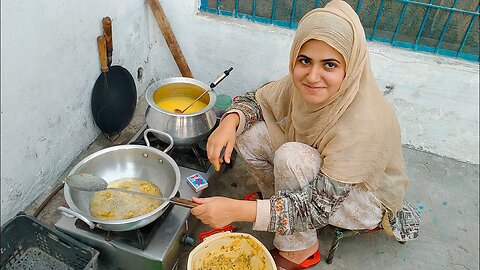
188 240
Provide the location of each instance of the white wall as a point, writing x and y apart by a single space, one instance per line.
50 63
436 98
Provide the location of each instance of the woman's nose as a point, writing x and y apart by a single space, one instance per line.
314 74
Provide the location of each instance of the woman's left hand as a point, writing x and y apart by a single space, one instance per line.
218 212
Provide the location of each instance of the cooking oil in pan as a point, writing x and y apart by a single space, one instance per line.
117 205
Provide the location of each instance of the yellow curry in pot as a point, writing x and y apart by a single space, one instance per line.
117 205
171 103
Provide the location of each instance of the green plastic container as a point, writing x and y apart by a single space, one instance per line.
222 104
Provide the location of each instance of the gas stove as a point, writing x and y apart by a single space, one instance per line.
157 245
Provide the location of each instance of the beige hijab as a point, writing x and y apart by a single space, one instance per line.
356 131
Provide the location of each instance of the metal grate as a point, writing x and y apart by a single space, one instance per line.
445 27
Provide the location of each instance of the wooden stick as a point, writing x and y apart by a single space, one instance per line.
170 38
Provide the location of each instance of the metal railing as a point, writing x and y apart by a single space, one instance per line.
445 27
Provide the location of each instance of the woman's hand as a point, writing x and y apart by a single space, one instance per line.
223 136
218 212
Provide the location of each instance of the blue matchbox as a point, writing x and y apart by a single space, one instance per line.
197 182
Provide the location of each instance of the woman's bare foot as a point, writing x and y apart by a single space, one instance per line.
300 255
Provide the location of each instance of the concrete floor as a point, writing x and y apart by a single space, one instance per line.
444 191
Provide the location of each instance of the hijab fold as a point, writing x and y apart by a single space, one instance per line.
355 131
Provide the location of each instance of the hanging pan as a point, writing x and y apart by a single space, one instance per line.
114 95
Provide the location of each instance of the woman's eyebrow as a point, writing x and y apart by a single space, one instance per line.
330 60
304 56
323 60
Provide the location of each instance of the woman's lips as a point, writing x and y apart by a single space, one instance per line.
313 88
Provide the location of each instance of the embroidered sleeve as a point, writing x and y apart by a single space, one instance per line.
310 208
250 108
406 223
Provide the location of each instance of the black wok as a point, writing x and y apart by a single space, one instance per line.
114 95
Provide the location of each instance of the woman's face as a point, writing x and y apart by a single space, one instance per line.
318 71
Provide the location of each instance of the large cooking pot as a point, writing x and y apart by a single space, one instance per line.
187 128
122 161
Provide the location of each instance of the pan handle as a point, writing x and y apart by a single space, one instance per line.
102 50
72 214
170 146
107 31
183 202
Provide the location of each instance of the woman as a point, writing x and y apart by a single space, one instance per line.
322 143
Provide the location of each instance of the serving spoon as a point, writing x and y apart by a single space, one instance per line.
212 85
92 183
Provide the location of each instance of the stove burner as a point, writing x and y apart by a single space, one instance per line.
139 238
193 157
156 245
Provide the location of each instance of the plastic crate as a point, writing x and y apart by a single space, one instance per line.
28 243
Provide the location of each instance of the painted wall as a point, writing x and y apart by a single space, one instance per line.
436 98
50 63
49 66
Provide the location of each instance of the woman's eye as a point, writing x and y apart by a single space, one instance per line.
304 61
330 65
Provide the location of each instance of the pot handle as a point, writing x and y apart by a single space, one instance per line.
72 214
170 146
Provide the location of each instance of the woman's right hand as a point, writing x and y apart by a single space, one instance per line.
223 136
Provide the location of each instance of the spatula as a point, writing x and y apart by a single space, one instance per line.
89 182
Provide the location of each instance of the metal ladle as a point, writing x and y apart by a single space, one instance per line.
89 182
212 85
